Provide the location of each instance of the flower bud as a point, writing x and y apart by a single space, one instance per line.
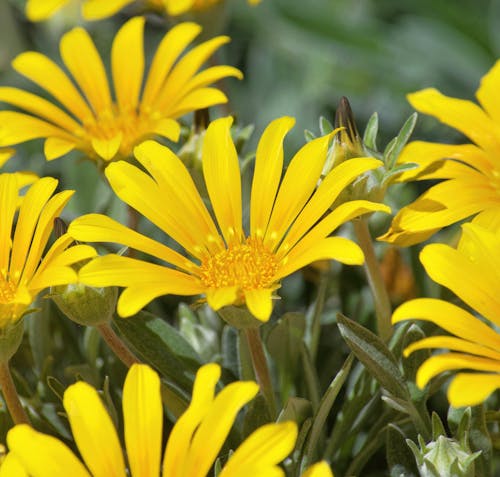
11 336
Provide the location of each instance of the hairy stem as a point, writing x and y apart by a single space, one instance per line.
11 397
117 345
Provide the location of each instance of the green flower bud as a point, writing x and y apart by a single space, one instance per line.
89 306
10 339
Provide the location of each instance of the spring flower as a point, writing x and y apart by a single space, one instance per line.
23 272
95 123
229 266
192 447
38 10
471 171
472 272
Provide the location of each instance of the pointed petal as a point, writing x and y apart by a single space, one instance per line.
83 61
262 451
8 205
42 455
487 94
55 147
259 302
296 188
471 389
222 176
46 74
267 174
219 297
127 63
197 99
463 115
93 431
168 128
107 148
143 419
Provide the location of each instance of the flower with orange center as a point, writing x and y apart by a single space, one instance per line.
95 123
23 272
38 10
471 172
230 266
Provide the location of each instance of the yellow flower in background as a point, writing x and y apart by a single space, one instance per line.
192 447
24 178
287 228
39 10
471 171
23 272
96 123
472 272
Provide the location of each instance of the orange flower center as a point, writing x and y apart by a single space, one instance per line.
248 266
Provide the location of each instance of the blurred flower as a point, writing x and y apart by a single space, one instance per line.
287 230
39 10
472 272
105 128
472 172
193 444
23 272
24 178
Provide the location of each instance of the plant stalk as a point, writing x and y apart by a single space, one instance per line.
117 345
11 397
380 296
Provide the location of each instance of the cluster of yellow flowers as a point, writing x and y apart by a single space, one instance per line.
115 123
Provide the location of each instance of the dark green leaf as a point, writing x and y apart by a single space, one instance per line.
400 459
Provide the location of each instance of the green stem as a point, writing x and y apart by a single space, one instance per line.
11 397
375 280
316 319
261 368
117 345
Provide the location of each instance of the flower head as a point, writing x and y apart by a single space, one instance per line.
192 447
23 272
471 171
38 10
472 272
229 265
104 127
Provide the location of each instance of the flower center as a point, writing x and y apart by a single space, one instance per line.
7 290
248 266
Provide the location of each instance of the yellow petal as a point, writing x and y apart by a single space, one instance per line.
107 148
267 173
38 10
487 94
8 205
471 389
211 75
42 455
168 128
83 61
180 437
325 195
143 419
321 469
221 171
262 451
97 9
5 155
127 62
55 147
215 426
12 467
259 302
178 7
198 99
460 114
449 317
219 297
100 228
475 285
171 46
451 361
45 73
93 431
332 248
296 188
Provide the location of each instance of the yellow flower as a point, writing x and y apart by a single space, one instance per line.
23 272
472 272
471 171
38 10
94 122
192 447
230 266
24 178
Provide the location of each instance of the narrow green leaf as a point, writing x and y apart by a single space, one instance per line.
325 126
309 135
400 458
162 346
371 131
375 355
400 141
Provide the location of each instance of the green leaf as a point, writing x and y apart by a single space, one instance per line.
309 135
325 126
375 355
400 141
371 131
296 409
400 458
162 346
257 415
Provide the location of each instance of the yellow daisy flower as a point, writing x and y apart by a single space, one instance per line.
472 272
39 10
230 266
471 171
192 447
23 272
94 122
